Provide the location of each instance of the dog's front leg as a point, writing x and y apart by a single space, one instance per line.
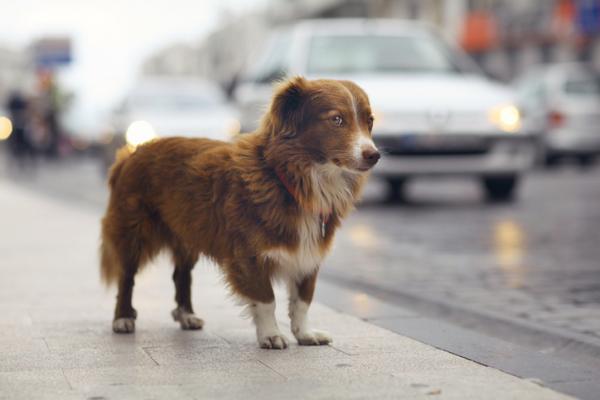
301 294
267 332
253 284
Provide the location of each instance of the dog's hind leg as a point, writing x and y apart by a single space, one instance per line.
182 277
125 314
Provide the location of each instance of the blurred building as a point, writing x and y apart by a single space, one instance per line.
507 36
177 59
504 36
221 56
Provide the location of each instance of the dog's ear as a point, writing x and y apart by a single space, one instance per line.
287 107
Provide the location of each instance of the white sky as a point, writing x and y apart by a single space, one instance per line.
111 37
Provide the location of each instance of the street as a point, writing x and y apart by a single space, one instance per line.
531 262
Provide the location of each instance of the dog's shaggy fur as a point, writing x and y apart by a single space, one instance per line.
263 207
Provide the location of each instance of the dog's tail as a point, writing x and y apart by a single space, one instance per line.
110 265
122 155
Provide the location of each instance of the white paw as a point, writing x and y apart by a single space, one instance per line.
187 320
313 337
124 325
273 342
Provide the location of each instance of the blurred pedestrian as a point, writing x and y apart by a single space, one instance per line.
49 108
19 142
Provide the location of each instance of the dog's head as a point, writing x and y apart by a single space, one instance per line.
325 121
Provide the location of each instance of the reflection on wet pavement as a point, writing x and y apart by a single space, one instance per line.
364 236
509 249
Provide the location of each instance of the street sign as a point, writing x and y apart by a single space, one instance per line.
49 53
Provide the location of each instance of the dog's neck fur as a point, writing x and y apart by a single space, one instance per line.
317 186
321 188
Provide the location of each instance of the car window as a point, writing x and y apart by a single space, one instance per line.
531 91
582 86
378 54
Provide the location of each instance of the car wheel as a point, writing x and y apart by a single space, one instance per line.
585 161
396 190
500 188
551 161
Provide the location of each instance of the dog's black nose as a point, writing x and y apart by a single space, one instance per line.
371 156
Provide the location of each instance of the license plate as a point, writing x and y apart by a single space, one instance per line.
441 142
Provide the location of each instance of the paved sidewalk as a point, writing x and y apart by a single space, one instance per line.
56 341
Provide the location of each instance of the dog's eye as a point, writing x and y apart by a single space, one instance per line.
337 120
370 121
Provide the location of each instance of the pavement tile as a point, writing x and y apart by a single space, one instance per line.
13 314
345 368
209 374
15 382
41 393
309 389
28 360
384 345
74 358
197 355
103 357
21 345
142 338
126 392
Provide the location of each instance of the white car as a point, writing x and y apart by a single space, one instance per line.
161 107
435 113
562 101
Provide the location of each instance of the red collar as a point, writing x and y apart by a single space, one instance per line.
287 184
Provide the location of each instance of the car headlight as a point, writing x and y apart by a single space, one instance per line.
506 117
6 128
138 133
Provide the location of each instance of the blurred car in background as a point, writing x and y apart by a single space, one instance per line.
562 102
160 107
435 113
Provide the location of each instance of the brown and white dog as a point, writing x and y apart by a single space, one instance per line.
264 207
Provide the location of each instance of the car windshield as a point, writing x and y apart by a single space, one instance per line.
378 54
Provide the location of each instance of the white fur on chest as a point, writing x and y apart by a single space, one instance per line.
308 255
330 192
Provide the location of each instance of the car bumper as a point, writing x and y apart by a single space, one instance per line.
573 143
501 156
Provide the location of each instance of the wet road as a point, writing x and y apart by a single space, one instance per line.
537 260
